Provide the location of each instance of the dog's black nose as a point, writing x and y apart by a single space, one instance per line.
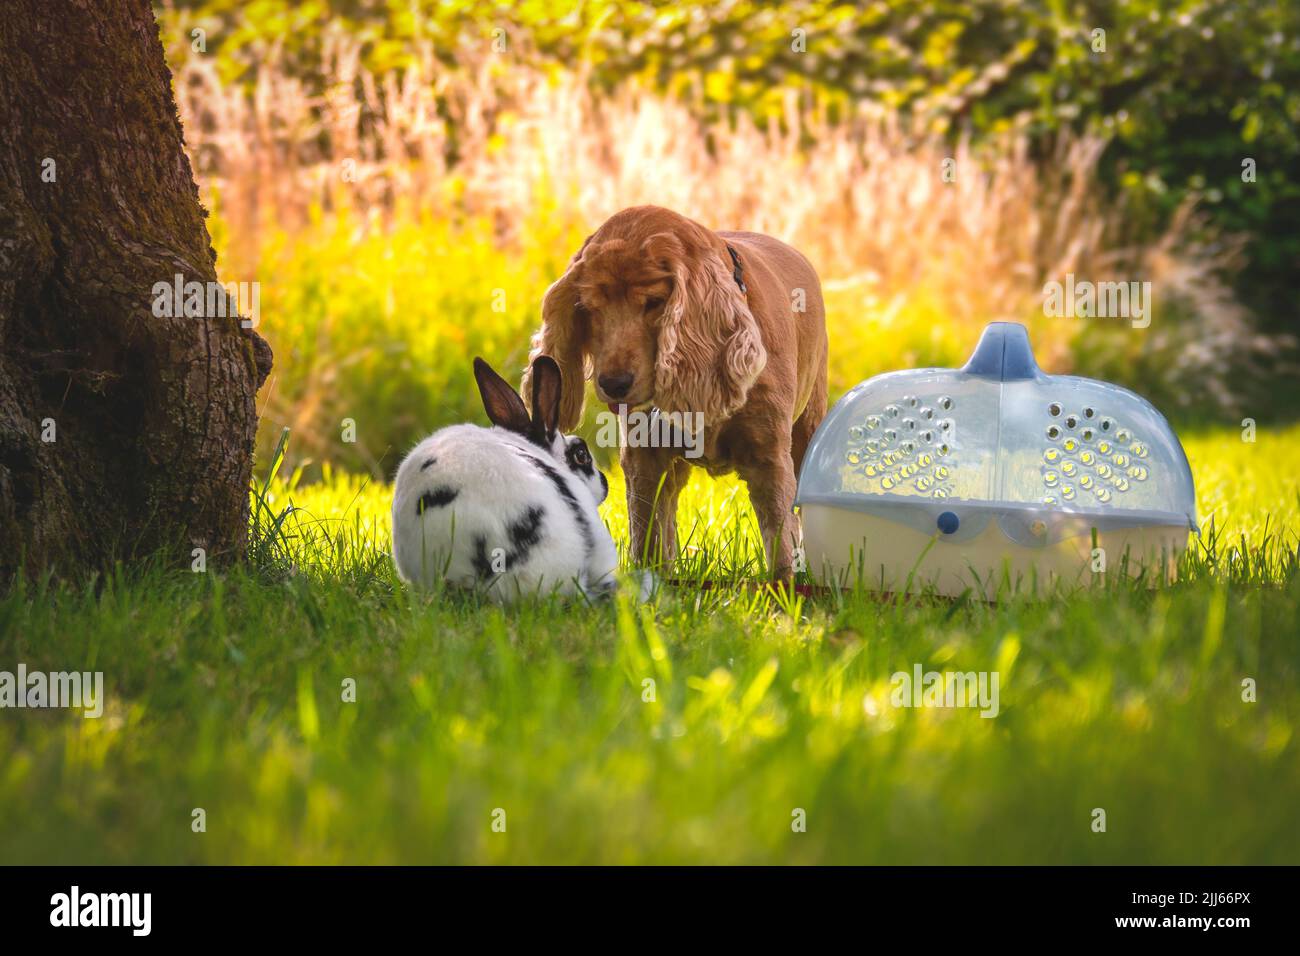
615 386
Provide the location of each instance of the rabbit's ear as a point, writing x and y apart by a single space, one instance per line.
548 390
565 332
501 402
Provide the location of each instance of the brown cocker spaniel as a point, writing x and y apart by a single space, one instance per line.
664 313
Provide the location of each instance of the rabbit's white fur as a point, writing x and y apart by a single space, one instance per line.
502 513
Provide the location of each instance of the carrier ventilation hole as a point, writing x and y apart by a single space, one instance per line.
1102 473
890 463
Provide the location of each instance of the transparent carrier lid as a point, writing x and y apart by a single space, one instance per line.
1002 435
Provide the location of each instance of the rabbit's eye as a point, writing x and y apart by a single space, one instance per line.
578 456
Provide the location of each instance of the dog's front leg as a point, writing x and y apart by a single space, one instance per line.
654 480
771 492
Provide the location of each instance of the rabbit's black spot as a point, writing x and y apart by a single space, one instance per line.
436 498
566 493
428 462
525 533
482 564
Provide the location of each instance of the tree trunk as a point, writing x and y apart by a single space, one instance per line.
121 431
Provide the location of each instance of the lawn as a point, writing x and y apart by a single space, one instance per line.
691 730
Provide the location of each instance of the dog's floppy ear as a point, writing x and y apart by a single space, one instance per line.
710 348
562 336
502 403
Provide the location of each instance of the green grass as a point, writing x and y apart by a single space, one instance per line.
224 693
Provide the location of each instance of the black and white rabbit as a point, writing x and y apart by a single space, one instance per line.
511 509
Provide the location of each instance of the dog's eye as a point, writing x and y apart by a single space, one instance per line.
652 304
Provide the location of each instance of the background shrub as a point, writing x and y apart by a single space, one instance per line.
405 190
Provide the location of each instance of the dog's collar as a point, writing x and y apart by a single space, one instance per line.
736 272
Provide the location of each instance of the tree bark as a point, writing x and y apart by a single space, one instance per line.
121 432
